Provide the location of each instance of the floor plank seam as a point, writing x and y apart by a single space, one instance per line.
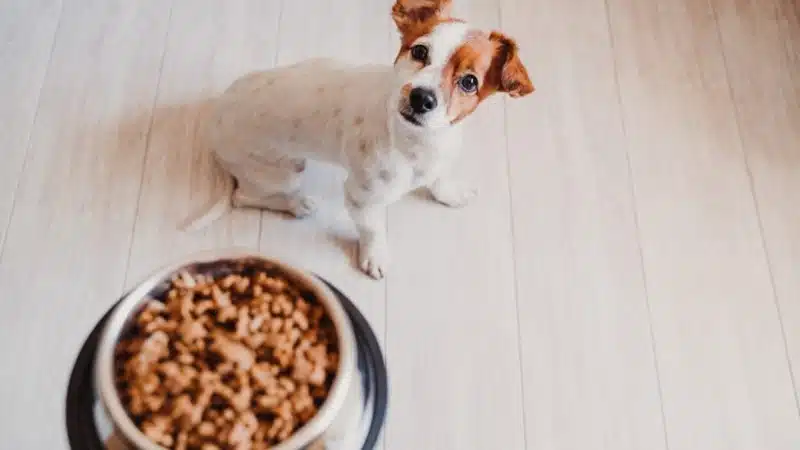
147 144
754 197
385 346
634 204
274 64
514 256
29 137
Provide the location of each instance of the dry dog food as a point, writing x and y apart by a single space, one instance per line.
237 361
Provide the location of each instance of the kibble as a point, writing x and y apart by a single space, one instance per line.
240 362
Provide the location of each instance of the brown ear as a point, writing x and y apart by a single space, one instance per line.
406 13
513 76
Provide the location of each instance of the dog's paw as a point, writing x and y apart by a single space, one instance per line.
454 196
297 205
373 259
302 206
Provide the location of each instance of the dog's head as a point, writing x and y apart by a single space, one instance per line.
448 67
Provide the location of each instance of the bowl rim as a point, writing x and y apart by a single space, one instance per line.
104 360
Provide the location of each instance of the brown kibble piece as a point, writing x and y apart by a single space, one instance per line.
152 309
255 341
228 281
185 280
241 400
191 330
152 349
206 429
242 285
159 324
287 384
183 439
299 317
203 306
233 351
185 358
243 323
262 375
318 375
221 299
227 313
182 409
158 428
302 369
155 401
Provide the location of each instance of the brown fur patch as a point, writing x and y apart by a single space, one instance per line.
408 13
492 59
512 77
415 31
363 147
358 120
474 57
416 18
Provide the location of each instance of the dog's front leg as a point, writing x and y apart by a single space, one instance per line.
373 252
451 193
369 216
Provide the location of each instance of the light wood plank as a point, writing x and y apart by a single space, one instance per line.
27 29
452 329
722 364
210 44
768 114
68 240
589 372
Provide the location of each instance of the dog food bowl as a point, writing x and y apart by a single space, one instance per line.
351 417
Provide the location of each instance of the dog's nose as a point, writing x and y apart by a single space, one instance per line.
422 100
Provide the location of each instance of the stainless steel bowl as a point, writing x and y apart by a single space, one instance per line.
329 429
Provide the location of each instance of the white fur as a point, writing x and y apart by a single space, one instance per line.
267 124
441 42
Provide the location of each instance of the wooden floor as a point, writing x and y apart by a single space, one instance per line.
628 279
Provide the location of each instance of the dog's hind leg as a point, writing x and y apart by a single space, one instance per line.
292 203
275 187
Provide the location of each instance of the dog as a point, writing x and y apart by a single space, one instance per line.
393 128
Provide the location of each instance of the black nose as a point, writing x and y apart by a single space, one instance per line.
422 100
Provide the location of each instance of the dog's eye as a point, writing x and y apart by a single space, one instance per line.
419 53
468 83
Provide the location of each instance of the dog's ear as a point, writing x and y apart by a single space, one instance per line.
513 77
407 13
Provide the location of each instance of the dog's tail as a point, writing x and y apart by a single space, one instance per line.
216 210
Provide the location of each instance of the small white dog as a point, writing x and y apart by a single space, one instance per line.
393 128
